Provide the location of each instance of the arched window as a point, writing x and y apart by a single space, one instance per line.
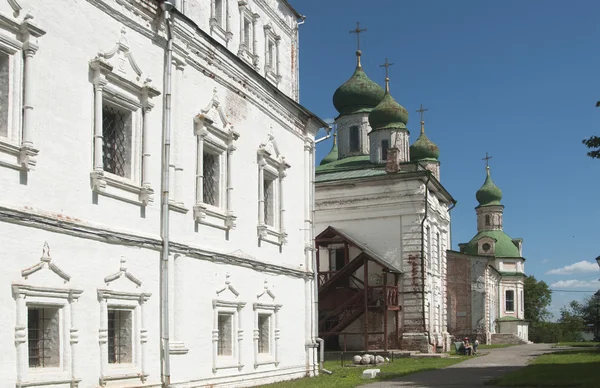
354 139
385 144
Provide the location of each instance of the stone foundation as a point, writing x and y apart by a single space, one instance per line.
416 341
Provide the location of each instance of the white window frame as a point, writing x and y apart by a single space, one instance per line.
135 302
248 52
235 360
19 42
63 299
271 163
119 85
272 311
221 30
272 70
213 131
506 300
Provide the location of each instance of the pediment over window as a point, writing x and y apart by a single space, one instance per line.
267 294
46 262
124 274
486 245
119 66
214 119
227 288
270 150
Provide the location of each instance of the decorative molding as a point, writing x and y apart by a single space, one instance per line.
122 272
234 308
15 6
262 4
59 223
228 286
272 310
267 291
46 260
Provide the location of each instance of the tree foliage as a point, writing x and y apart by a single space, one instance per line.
537 299
594 143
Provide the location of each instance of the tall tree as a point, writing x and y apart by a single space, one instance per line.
572 321
537 299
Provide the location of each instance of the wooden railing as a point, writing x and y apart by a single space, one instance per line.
325 276
379 294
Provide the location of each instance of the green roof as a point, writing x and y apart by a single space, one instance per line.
504 246
350 163
509 319
357 95
424 148
332 156
388 114
489 194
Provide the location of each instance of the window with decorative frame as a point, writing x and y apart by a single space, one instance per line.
227 335
18 45
121 118
215 139
272 64
271 172
247 49
219 20
266 334
509 300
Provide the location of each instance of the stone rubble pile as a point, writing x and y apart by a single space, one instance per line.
367 359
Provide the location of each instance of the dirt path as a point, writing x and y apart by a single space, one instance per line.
474 372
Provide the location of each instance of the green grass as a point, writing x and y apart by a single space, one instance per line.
347 377
578 344
572 368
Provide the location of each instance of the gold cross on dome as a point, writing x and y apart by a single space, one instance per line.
387 67
422 111
358 31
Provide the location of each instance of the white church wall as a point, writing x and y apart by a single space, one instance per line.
55 202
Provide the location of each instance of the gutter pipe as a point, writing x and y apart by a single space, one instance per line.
322 356
167 7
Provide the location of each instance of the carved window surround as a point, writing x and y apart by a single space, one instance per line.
248 52
271 309
135 302
19 42
271 164
220 28
125 87
272 62
214 132
234 308
64 300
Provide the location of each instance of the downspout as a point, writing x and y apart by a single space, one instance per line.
423 256
298 24
167 7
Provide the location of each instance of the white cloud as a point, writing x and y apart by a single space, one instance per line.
579 267
575 284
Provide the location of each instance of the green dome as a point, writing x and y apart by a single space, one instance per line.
489 193
503 247
388 114
424 148
358 94
332 156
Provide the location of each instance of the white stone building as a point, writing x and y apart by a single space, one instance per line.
486 277
82 91
383 226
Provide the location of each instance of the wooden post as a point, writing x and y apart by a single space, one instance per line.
366 291
346 253
385 311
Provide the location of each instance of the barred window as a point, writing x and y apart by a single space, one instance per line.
264 333
269 203
247 33
385 144
210 181
225 343
354 139
510 300
116 140
120 330
4 93
43 331
219 12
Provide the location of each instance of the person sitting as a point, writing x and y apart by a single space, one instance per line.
467 346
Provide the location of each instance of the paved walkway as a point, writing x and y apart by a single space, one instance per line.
473 372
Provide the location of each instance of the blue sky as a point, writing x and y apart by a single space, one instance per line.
518 79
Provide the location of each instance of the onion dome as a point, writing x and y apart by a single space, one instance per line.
424 148
332 156
489 194
388 114
359 94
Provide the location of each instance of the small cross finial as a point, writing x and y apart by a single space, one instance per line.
387 74
358 31
487 160
422 112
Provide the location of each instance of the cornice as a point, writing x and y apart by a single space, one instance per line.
58 223
262 4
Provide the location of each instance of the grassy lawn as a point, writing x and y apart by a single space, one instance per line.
572 368
348 377
578 344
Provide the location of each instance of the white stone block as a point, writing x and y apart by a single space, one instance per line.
357 360
370 373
